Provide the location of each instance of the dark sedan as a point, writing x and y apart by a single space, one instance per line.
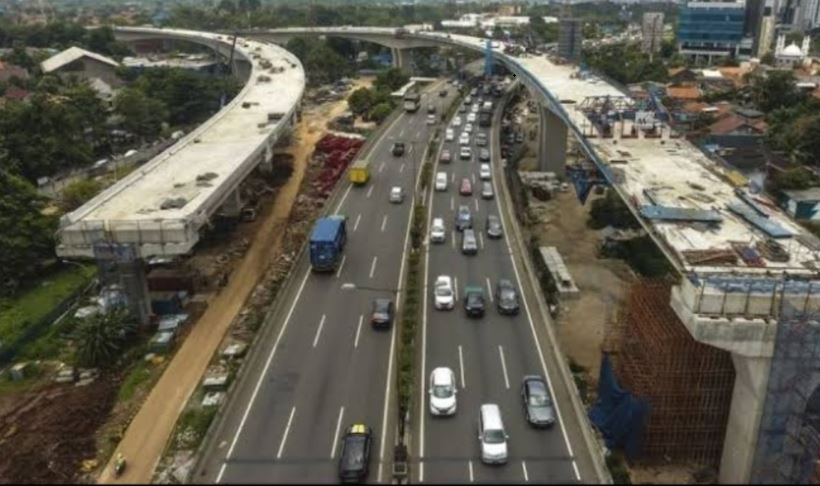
474 301
355 458
538 404
506 297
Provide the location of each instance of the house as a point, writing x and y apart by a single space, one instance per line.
736 124
9 71
13 93
683 93
802 204
83 64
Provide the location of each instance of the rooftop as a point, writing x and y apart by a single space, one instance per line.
70 55
811 194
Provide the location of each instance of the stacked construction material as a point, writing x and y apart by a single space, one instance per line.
334 153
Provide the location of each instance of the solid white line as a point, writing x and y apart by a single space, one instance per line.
267 366
336 435
575 467
358 331
221 472
504 366
481 239
319 331
343 199
373 266
524 467
455 288
356 225
285 435
341 266
489 289
470 467
401 168
370 191
461 367
384 222
381 167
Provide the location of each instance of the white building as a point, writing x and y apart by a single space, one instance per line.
651 32
792 55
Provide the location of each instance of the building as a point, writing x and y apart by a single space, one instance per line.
9 71
83 64
763 41
792 56
803 204
570 38
651 32
710 30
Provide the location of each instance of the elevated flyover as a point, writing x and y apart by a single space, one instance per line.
160 208
742 261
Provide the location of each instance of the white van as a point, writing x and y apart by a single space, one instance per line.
441 181
491 435
438 233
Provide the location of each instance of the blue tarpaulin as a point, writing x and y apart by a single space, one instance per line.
618 414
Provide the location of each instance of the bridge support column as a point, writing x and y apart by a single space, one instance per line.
400 58
743 425
232 205
131 277
552 142
266 166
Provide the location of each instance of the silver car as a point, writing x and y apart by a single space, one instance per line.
487 190
469 245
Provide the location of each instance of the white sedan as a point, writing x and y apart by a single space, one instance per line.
443 292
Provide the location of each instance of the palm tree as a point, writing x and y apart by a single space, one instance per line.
101 338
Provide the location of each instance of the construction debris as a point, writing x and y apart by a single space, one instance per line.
716 256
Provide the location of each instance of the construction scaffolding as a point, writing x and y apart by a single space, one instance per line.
788 444
687 384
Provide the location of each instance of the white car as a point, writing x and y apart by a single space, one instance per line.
468 128
438 233
431 119
465 153
396 194
484 172
443 292
456 121
471 118
464 139
442 391
474 108
449 135
441 181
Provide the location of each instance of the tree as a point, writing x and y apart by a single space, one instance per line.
142 116
392 79
27 234
775 90
380 112
77 193
360 101
101 338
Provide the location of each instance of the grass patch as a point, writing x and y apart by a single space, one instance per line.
37 303
141 373
192 427
617 468
33 375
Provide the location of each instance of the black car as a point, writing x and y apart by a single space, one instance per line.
398 149
506 297
382 314
442 93
355 458
538 404
474 301
494 229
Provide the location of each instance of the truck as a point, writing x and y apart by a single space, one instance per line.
485 114
412 100
360 172
327 242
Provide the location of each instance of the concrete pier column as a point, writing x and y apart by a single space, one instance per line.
400 59
232 205
743 426
266 165
552 142
130 276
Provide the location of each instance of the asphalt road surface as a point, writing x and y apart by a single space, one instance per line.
488 355
319 366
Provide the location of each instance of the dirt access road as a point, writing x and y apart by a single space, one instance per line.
146 436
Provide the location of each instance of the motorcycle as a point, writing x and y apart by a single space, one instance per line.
119 465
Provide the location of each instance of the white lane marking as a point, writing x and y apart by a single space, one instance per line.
344 198
356 224
221 472
384 222
504 366
285 435
358 331
401 133
418 133
461 367
452 203
381 167
489 288
455 288
370 191
535 336
267 366
473 176
452 177
524 468
453 240
481 239
341 266
476 204
470 468
336 435
401 168
373 266
319 330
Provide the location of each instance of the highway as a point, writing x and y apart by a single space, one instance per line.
489 355
319 367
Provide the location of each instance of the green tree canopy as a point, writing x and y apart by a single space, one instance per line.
141 115
775 90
